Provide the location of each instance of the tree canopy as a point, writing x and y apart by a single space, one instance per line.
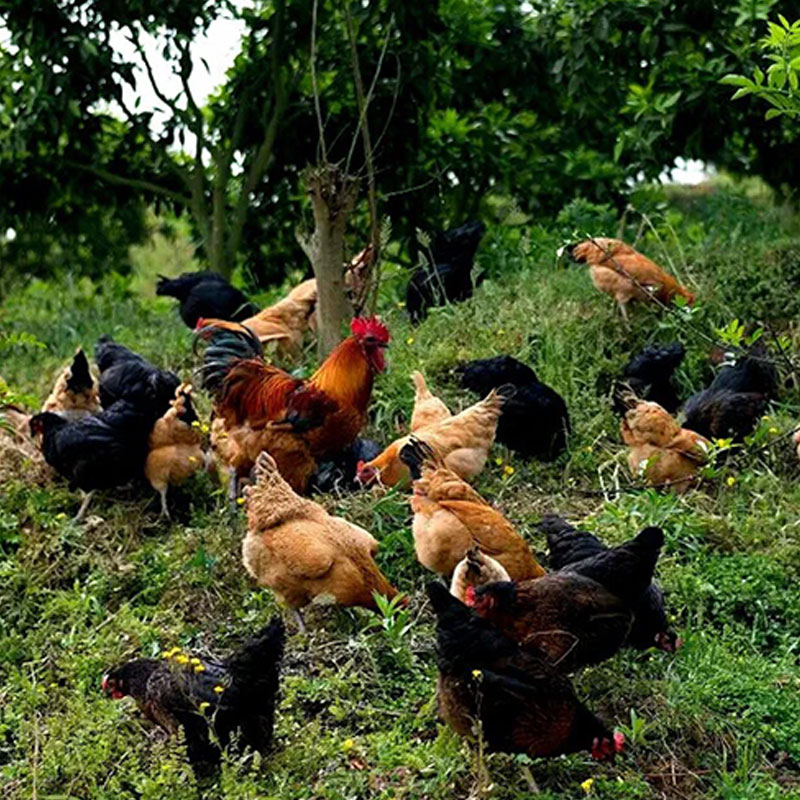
468 100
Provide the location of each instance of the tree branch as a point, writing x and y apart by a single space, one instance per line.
133 183
313 60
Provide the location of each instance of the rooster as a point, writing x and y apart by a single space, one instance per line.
260 407
624 273
649 376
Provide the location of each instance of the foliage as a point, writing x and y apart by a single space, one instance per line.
472 102
780 86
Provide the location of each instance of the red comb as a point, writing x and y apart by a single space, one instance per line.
619 742
469 596
370 326
201 323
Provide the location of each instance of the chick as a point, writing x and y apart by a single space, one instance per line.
176 451
294 547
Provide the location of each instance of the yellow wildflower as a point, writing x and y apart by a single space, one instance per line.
348 744
203 706
182 659
766 418
219 689
410 340
401 304
587 785
194 660
498 461
196 423
773 431
240 500
731 480
192 460
204 428
501 332
61 515
199 668
508 469
476 673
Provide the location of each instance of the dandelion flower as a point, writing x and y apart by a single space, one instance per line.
410 340
219 689
240 500
195 660
204 428
731 480
348 744
182 659
508 469
199 668
587 785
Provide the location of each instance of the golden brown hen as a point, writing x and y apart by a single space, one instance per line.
297 549
286 321
428 409
462 441
625 274
660 450
450 518
176 447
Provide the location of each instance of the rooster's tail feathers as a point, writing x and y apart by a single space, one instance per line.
228 343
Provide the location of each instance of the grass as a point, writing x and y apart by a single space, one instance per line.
357 715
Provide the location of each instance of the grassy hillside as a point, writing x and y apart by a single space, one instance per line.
357 716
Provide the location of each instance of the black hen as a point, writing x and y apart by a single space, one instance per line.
96 452
649 376
570 548
125 375
338 474
535 421
206 294
448 275
625 570
205 694
736 399
523 704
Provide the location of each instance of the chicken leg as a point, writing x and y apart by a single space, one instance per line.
87 498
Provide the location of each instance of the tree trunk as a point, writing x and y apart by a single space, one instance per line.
333 195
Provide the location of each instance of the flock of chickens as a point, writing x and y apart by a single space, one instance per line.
509 632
